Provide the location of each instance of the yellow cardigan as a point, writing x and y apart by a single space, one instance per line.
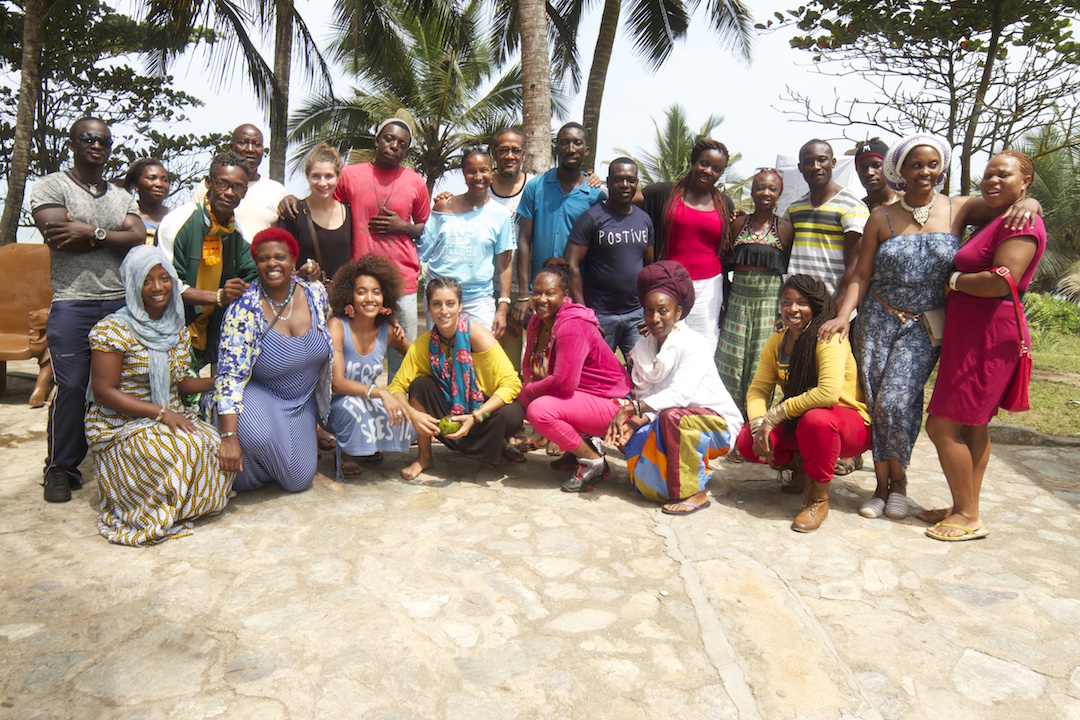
495 375
838 380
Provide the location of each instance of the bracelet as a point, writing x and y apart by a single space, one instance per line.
160 414
370 389
756 424
504 300
777 414
219 299
523 299
953 278
481 417
227 435
637 407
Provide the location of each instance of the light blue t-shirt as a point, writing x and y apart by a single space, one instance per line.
464 246
553 214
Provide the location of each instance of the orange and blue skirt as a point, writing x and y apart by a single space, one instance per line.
668 459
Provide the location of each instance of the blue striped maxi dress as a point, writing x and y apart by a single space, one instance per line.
152 482
276 428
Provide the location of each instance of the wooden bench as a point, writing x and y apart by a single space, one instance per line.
24 307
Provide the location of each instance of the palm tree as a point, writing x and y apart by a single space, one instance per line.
440 62
234 20
32 43
1057 186
655 26
673 145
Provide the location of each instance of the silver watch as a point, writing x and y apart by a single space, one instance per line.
99 234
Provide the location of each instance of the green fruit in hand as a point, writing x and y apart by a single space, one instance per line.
448 426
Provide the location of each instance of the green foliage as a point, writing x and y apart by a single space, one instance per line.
1048 314
440 64
1057 186
85 71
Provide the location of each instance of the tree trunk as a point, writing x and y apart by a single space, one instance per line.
535 85
33 23
594 89
279 100
980 97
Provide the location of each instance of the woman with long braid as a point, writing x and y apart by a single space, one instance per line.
823 416
693 227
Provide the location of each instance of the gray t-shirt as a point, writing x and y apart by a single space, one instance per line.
94 275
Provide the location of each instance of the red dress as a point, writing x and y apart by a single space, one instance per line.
981 347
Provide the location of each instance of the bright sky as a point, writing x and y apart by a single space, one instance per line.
699 75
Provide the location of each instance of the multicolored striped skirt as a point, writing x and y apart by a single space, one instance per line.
750 320
668 459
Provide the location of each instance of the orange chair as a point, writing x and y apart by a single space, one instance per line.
24 307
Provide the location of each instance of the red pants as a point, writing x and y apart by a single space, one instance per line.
823 436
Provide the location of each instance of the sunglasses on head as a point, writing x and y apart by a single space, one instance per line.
89 139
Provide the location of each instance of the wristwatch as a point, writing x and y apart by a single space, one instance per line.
99 236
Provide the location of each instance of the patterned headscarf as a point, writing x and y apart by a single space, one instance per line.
157 336
894 159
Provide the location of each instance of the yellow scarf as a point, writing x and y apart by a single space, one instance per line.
209 275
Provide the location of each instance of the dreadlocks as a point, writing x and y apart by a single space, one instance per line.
803 370
678 191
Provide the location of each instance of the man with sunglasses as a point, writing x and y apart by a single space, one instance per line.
89 225
211 256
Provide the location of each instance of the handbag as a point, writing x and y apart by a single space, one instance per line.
1016 396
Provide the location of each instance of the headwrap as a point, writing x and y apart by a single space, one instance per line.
670 278
157 336
894 158
454 372
874 147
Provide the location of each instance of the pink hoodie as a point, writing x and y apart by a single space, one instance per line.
578 358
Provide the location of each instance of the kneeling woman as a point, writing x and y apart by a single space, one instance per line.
273 371
573 380
156 464
682 409
823 416
366 419
458 371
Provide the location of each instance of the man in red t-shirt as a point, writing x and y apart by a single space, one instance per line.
390 205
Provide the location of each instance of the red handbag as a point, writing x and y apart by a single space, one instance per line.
1016 396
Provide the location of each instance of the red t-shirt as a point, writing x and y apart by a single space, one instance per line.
366 189
693 239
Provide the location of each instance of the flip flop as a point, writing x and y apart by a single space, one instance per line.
513 454
327 443
843 468
694 508
349 468
934 516
969 534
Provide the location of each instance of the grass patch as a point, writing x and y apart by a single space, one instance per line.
1056 352
1055 408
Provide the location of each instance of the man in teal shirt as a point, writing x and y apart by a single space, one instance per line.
549 206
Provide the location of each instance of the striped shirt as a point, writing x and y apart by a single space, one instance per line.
818 250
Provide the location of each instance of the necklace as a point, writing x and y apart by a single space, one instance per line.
921 213
281 305
91 188
381 204
477 206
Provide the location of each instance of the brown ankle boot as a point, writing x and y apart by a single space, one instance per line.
815 507
797 484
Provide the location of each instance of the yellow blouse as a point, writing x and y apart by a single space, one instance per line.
495 374
838 380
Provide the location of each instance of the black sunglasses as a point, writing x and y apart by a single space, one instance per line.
89 139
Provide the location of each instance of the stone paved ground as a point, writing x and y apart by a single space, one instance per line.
494 595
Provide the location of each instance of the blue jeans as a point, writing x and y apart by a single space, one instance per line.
68 333
407 318
621 330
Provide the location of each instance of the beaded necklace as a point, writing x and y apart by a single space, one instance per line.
280 307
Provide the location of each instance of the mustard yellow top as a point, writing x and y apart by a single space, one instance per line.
495 375
838 380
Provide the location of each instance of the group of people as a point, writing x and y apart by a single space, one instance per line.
655 320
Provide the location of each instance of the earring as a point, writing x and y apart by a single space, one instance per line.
350 311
